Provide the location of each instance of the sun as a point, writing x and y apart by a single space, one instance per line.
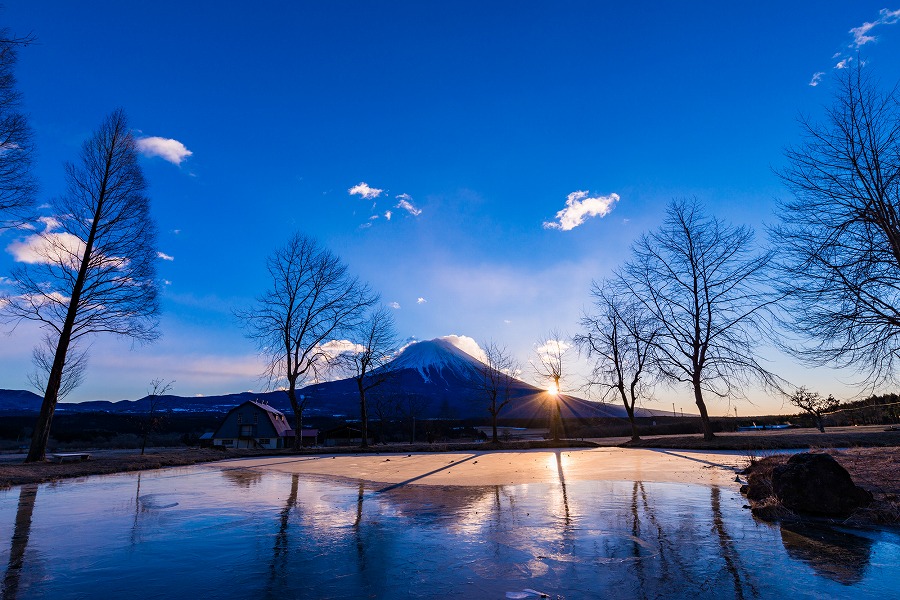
552 389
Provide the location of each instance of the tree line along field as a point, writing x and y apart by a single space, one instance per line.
180 429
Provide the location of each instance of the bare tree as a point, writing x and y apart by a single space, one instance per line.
496 376
156 393
814 404
312 299
704 284
73 369
368 362
17 185
385 405
619 336
551 356
93 271
839 236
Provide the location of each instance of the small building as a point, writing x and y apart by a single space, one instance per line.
254 425
344 435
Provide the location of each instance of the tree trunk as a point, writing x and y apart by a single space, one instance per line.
634 432
821 423
364 415
38 450
704 416
494 439
298 416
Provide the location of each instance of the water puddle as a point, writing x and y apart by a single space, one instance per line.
207 531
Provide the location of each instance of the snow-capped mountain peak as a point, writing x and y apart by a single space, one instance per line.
431 358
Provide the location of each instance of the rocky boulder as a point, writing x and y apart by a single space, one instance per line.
818 485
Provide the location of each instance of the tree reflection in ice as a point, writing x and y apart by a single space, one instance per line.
19 541
194 532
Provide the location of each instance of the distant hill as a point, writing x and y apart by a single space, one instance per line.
15 401
430 379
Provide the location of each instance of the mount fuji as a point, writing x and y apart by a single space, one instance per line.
442 380
430 379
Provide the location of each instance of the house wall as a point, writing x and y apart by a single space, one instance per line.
247 421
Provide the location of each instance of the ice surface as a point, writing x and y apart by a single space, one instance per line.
248 530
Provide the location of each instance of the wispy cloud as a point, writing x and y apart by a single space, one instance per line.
421 300
165 256
861 35
364 190
405 202
844 63
388 214
816 78
394 305
166 148
580 206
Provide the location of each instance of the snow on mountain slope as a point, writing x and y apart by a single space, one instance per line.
432 358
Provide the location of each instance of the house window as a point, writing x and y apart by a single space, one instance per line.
227 442
240 418
246 430
256 417
264 441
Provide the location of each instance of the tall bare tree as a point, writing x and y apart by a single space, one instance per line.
17 185
550 365
494 384
703 282
312 299
368 362
839 236
619 336
93 270
155 395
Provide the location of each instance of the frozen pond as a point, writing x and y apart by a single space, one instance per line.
224 529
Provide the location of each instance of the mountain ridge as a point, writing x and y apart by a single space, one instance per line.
431 378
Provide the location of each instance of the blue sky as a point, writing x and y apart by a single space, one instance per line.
483 116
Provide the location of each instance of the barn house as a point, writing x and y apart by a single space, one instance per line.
254 425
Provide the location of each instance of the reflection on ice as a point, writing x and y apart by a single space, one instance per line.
200 531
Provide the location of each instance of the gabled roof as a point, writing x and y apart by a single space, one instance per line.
276 417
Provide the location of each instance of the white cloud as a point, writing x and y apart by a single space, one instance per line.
861 34
844 63
816 78
394 305
176 231
580 206
373 217
165 148
166 282
421 300
388 214
165 256
406 204
552 348
48 248
366 225
50 223
467 345
362 189
335 347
